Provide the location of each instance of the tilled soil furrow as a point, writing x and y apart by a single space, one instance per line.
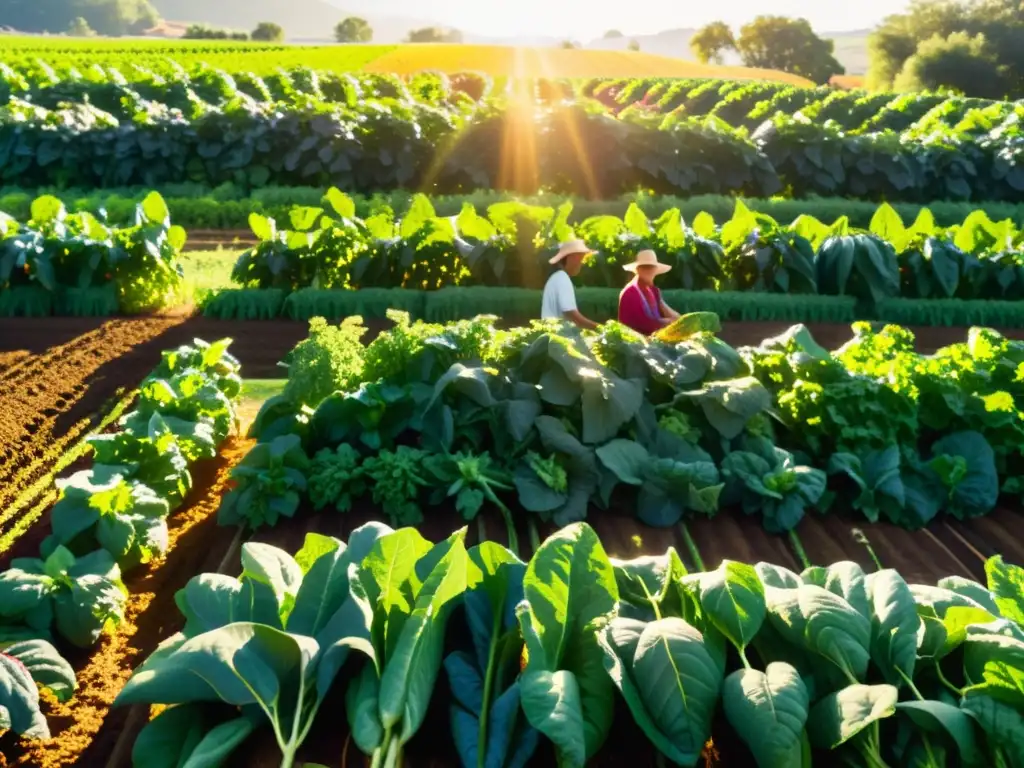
47 387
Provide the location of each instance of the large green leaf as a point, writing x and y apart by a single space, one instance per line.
841 715
240 664
669 679
769 710
1006 583
947 722
812 618
569 586
733 598
410 671
46 666
894 626
19 701
1002 723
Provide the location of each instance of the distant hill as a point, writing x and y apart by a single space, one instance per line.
302 20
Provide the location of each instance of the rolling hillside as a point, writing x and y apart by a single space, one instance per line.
303 20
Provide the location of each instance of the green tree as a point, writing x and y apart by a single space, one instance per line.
353 30
711 42
434 35
79 27
569 44
789 45
613 34
960 62
633 46
268 32
900 36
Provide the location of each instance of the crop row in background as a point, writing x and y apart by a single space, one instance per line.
448 142
57 256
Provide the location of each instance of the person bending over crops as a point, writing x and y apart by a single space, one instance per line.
559 300
640 304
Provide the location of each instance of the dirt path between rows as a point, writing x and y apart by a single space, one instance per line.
85 729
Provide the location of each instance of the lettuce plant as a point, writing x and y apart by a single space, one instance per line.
24 665
152 457
269 481
79 597
100 506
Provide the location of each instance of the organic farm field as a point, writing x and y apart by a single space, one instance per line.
783 531
88 732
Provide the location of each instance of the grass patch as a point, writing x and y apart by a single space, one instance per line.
205 273
262 389
255 392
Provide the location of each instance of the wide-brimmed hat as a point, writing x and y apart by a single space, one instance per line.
570 248
647 259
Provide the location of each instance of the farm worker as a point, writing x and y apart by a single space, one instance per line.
640 304
559 300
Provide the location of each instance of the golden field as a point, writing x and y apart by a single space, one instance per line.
506 61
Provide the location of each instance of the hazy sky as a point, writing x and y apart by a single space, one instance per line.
585 19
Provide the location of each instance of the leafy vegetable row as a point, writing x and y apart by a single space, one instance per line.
63 252
748 104
549 422
123 90
833 664
580 148
330 247
107 520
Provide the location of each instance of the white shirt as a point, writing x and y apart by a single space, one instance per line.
559 296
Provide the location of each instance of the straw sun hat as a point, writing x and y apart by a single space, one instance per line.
570 248
647 259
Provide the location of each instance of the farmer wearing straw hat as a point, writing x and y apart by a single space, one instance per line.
559 300
640 304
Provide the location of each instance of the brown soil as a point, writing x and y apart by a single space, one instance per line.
85 730
44 394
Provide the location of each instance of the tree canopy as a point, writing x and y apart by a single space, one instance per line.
711 42
790 45
935 38
434 35
269 32
771 42
105 17
353 30
958 62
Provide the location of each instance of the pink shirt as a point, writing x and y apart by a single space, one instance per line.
640 315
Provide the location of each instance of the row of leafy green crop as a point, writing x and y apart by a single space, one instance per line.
833 665
746 104
196 90
84 266
380 145
108 519
196 206
560 421
329 247
740 104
